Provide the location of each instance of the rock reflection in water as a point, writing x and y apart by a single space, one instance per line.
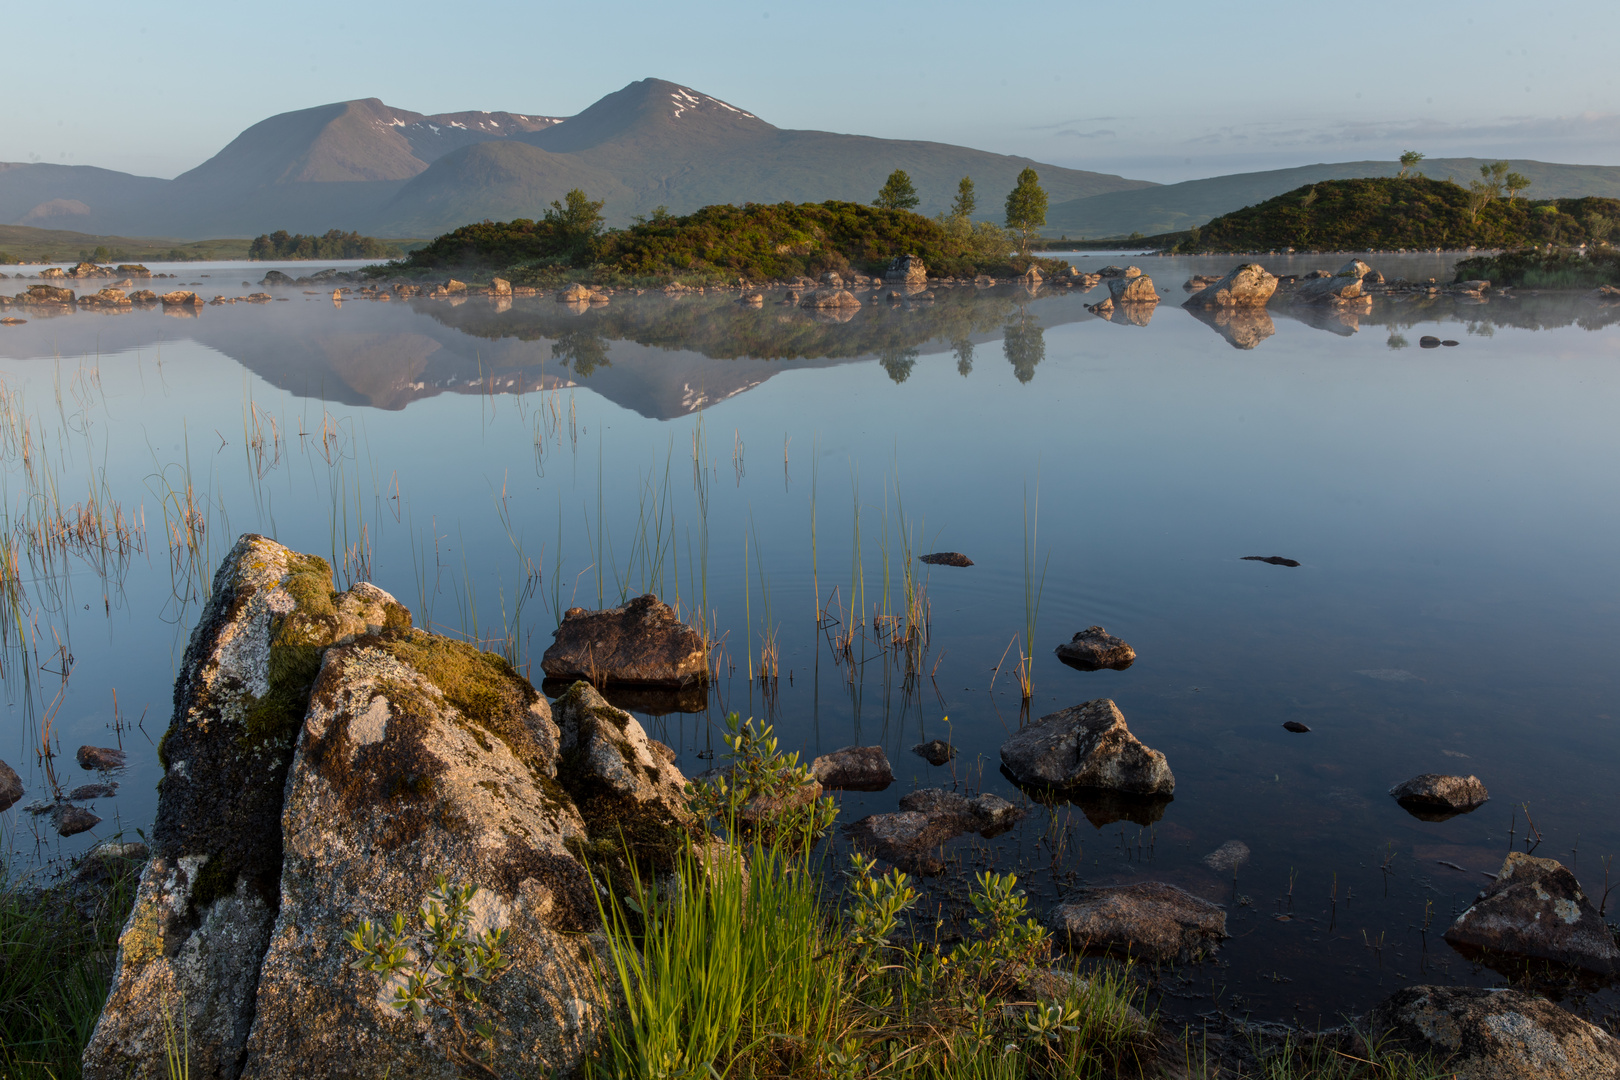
649 701
1242 327
1100 806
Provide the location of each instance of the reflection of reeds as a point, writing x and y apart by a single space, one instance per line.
1032 596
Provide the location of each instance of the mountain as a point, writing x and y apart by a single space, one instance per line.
657 143
366 165
1173 207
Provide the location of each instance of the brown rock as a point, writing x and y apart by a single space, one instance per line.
143 296
72 820
1094 648
642 642
11 787
1148 920
927 819
1536 908
500 287
1086 746
945 558
935 751
46 294
1497 1034
181 298
100 758
830 298
1434 793
1133 289
907 269
854 768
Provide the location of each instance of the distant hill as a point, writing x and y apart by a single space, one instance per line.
64 245
366 165
1174 207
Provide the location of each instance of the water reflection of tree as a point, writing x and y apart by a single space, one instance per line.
898 363
963 348
1024 343
582 350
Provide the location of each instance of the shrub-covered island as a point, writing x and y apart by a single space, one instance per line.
719 244
1375 214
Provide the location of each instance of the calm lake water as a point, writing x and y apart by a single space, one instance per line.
1456 512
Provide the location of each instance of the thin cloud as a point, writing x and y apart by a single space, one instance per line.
1070 133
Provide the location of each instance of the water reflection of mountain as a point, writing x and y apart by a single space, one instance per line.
659 356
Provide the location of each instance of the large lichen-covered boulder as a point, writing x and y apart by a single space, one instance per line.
1133 289
1246 285
1497 1034
205 903
642 643
1087 746
1536 908
423 756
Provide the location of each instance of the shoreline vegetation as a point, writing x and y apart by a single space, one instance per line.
754 243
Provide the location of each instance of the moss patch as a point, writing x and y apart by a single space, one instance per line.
482 686
297 640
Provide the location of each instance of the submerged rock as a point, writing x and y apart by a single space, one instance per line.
927 819
71 820
1435 794
1094 648
1229 856
1497 1034
945 558
934 751
854 768
99 758
1271 560
1148 920
1087 745
1536 909
1246 285
642 643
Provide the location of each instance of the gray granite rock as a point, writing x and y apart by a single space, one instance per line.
1089 746
1497 1034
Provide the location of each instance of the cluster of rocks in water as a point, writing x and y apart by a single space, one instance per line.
327 760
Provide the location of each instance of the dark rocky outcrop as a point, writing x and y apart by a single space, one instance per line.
1148 920
1094 649
1535 908
1497 1034
1086 746
1436 796
854 768
1246 285
641 643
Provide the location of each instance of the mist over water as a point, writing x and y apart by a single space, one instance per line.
1454 511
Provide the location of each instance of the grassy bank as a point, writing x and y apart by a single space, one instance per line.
21 242
57 946
1558 268
719 244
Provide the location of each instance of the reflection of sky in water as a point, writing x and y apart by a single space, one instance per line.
1454 511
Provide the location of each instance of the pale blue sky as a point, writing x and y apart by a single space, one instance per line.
1163 91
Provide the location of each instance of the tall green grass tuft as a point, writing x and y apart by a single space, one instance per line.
55 969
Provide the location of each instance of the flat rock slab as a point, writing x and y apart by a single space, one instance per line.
1497 1034
1148 920
1535 908
1094 649
1434 796
934 751
854 768
1087 746
946 558
642 643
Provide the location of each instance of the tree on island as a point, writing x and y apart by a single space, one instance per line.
966 201
577 220
1026 208
1409 162
1515 183
898 193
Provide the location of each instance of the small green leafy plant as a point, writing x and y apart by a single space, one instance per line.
764 793
437 961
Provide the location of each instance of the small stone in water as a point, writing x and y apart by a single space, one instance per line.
1274 560
935 751
100 758
1229 856
1295 726
86 792
946 558
72 820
